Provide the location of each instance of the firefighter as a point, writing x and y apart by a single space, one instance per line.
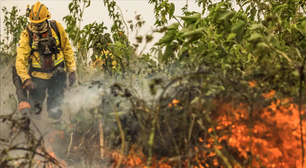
44 58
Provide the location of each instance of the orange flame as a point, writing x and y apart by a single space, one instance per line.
273 137
50 151
275 140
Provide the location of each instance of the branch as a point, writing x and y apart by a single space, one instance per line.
122 137
297 11
300 109
127 28
284 55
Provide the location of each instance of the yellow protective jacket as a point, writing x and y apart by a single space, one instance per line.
24 50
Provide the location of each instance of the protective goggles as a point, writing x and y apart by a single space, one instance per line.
38 24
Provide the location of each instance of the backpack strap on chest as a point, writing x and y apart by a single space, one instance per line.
54 27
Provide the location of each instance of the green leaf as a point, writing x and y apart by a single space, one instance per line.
255 37
288 29
302 28
257 26
194 32
226 15
249 57
70 6
231 36
280 8
184 30
210 92
168 53
274 41
298 52
238 28
174 26
167 38
226 66
195 37
263 45
195 100
248 8
171 10
160 54
88 4
210 31
296 73
192 18
220 4
89 39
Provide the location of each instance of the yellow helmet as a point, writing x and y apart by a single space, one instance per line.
39 13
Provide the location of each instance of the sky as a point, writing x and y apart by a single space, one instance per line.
97 12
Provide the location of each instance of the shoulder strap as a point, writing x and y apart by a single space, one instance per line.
54 27
30 36
30 33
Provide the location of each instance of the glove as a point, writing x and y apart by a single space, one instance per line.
72 78
29 85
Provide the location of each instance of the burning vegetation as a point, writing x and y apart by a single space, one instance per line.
198 134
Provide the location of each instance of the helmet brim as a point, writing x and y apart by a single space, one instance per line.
39 21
